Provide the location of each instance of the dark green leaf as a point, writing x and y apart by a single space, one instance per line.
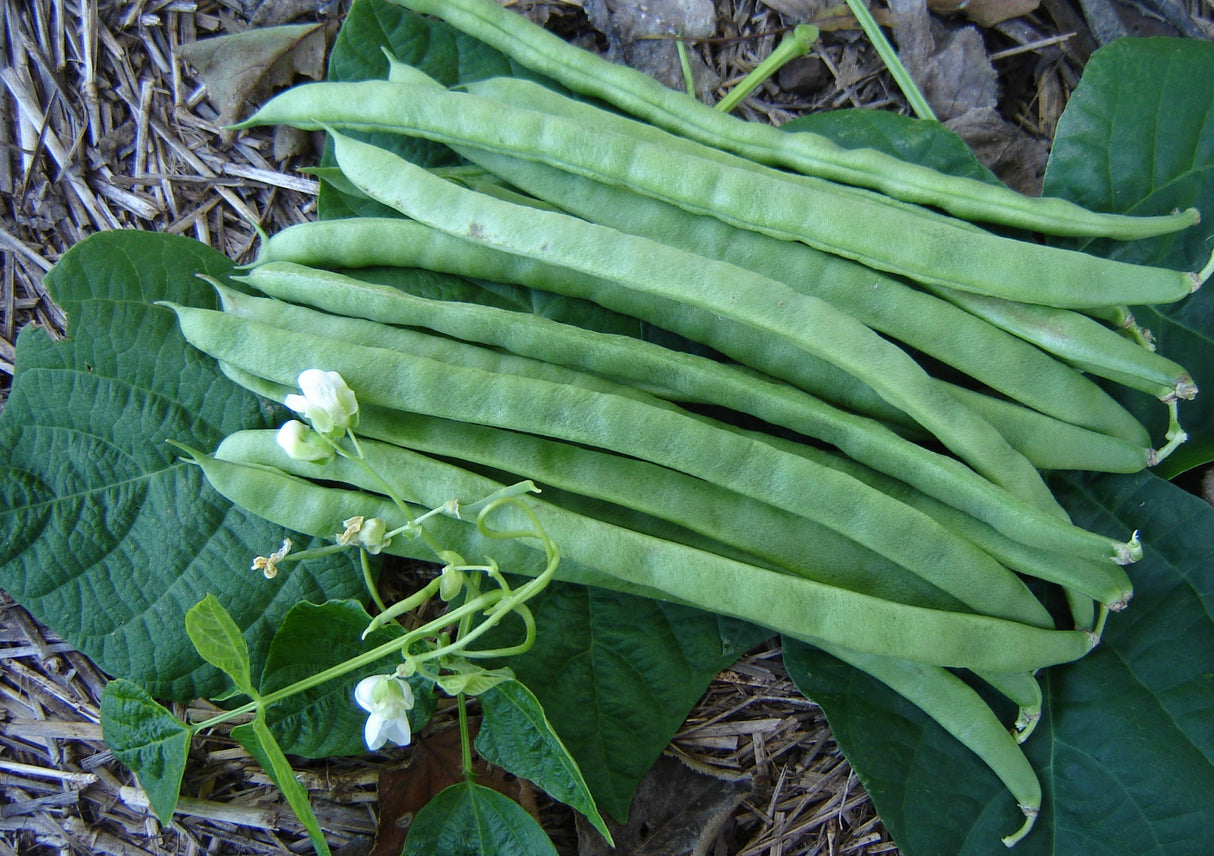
324 721
516 736
149 740
1137 137
218 640
256 738
617 675
424 43
97 509
915 140
1125 748
472 820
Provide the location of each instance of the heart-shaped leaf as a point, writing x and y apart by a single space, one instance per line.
106 536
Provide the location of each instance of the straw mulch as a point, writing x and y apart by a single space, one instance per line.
104 127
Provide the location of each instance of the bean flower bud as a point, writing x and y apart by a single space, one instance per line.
301 443
327 403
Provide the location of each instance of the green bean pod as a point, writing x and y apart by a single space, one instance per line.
928 324
695 378
618 558
638 94
861 227
765 308
1105 582
367 242
751 468
755 531
1084 343
962 713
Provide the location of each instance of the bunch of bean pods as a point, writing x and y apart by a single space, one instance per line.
789 450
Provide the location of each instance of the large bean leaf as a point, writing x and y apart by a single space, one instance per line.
1138 137
106 536
1125 748
617 675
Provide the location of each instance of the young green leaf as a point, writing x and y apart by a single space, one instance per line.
149 740
471 820
256 738
516 736
616 676
217 639
324 721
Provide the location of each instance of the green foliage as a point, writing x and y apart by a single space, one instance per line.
1125 746
324 721
1137 138
471 820
95 506
617 675
217 639
148 739
516 736
260 743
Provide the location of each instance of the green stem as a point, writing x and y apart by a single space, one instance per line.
797 43
888 56
372 589
465 739
689 82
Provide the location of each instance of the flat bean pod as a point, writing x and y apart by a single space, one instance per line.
362 332
632 562
767 309
742 464
696 379
926 323
638 94
889 238
1084 343
1105 582
365 241
787 542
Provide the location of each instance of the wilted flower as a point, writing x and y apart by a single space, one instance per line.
388 700
268 565
301 443
367 532
326 402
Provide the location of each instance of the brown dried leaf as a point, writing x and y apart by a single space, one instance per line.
679 809
437 763
951 67
246 68
985 13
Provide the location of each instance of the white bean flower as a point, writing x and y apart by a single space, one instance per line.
388 700
327 403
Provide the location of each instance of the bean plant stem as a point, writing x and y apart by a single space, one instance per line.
890 57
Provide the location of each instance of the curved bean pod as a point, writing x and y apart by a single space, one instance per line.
742 464
395 242
628 561
1084 343
695 379
926 323
962 713
753 303
919 246
638 94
